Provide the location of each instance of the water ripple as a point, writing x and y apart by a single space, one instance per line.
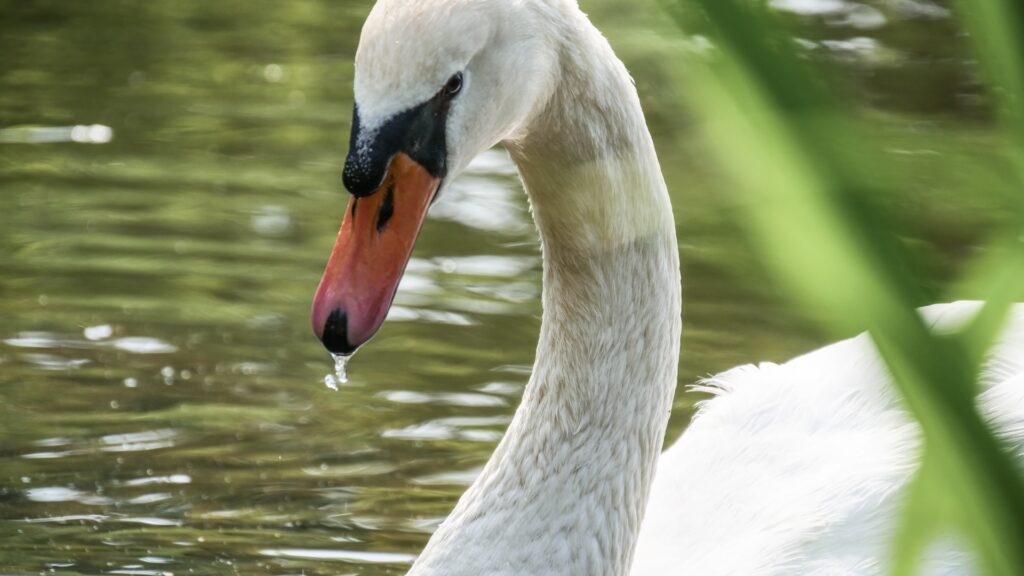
340 555
53 454
50 494
149 521
140 572
144 345
94 340
444 398
172 479
139 441
96 518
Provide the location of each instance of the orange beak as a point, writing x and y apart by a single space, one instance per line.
373 247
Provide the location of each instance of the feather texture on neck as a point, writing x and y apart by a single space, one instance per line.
566 488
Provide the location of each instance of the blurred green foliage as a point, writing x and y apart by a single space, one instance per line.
814 185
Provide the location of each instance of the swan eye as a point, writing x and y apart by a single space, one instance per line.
454 85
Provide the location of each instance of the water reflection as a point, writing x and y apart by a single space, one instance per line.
455 428
342 555
172 479
80 134
93 336
443 398
486 197
61 494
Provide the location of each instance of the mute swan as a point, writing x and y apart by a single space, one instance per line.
791 469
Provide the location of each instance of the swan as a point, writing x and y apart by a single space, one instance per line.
796 468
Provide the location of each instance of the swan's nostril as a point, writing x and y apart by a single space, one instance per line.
335 336
387 208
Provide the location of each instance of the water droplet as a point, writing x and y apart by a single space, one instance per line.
340 375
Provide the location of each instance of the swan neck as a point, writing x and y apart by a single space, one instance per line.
565 490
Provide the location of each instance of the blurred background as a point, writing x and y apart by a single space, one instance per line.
169 192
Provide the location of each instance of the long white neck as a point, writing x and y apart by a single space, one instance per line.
565 491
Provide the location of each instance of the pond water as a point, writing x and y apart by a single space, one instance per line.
162 399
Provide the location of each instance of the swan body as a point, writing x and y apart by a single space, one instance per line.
791 469
809 461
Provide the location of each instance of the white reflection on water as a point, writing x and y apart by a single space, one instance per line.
94 336
150 498
140 437
96 518
352 470
53 454
517 292
100 332
455 428
52 362
425 525
503 388
340 555
44 340
273 73
144 345
432 281
424 287
443 398
132 442
490 265
401 313
58 441
82 134
503 266
414 282
480 200
272 221
51 494
172 479
149 521
453 478
140 572
138 446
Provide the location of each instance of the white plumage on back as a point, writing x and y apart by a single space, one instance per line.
800 468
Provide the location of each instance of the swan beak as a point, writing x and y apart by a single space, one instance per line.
373 247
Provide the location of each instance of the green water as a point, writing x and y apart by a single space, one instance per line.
162 399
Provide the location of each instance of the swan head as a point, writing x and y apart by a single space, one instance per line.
436 83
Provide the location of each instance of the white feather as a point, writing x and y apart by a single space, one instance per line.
800 468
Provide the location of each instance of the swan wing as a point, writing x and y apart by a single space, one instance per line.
800 468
